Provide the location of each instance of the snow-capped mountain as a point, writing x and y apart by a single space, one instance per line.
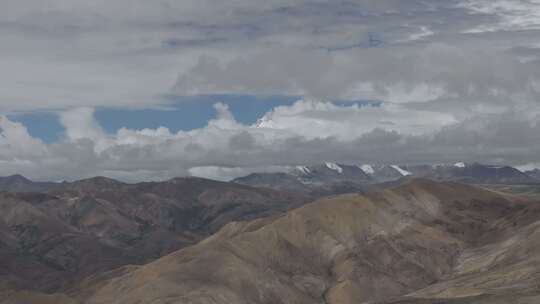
327 174
368 169
331 173
401 171
460 165
384 173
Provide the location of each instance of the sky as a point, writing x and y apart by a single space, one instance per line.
149 90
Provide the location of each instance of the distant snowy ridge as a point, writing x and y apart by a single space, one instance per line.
367 169
460 165
304 176
335 167
303 169
401 171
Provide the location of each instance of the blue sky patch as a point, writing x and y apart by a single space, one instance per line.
43 125
188 113
185 113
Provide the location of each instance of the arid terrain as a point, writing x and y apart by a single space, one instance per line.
49 240
418 242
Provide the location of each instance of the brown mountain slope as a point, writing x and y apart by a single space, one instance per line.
422 242
50 240
44 252
197 205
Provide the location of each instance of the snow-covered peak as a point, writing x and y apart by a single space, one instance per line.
335 167
528 167
368 169
460 165
303 169
401 171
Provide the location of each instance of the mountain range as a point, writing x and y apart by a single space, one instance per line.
332 178
420 242
352 234
50 239
312 178
19 183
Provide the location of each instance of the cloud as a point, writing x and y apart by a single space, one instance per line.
468 77
80 123
511 15
455 80
16 144
64 54
225 148
314 119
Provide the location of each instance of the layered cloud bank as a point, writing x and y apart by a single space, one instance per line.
306 132
464 54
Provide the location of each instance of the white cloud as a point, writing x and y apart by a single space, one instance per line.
16 144
313 119
314 132
423 33
418 57
456 79
511 14
60 54
80 123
